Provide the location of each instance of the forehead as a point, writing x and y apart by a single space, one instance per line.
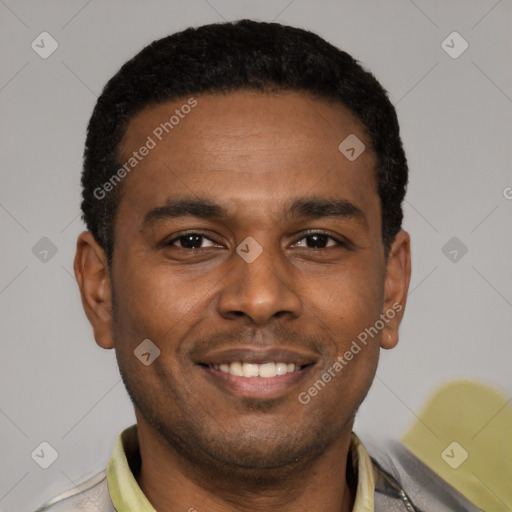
281 121
251 147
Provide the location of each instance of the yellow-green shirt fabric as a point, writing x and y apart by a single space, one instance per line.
127 496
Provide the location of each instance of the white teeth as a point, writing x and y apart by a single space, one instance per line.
267 370
236 369
251 370
281 368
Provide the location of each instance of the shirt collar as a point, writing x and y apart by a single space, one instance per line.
126 495
365 492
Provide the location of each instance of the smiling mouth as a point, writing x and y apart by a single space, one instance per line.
265 370
256 372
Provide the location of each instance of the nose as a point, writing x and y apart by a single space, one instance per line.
260 289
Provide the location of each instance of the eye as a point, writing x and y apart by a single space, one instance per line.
319 240
313 240
190 241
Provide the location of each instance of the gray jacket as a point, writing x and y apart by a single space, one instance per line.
419 490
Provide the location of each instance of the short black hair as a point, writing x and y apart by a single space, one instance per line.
226 57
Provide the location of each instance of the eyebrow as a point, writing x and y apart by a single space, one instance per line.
205 208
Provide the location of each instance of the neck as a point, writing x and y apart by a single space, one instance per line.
171 482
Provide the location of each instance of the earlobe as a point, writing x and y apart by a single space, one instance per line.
92 274
396 287
389 338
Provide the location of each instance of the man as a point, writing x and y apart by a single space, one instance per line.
242 190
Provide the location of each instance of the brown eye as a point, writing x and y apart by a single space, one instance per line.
319 241
190 241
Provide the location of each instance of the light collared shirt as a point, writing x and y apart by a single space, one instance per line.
127 496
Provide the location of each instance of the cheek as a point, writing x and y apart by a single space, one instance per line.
151 300
349 300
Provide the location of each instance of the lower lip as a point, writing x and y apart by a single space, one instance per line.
257 387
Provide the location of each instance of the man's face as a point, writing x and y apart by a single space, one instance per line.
205 302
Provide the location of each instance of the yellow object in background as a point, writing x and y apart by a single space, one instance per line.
464 434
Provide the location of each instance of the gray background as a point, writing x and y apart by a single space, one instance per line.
58 386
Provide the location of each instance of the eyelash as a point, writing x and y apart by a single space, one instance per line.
340 243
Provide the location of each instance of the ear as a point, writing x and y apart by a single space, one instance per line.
92 275
396 286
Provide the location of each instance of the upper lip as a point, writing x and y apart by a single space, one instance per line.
258 355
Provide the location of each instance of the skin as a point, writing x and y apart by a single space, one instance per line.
203 446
